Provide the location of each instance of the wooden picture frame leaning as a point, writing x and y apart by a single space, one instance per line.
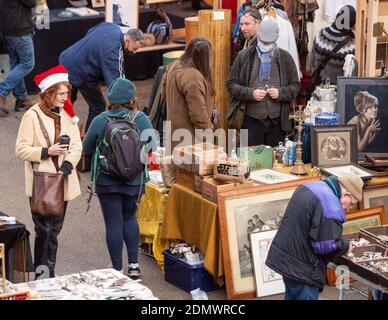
364 218
235 208
376 197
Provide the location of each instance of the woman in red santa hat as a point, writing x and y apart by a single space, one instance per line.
56 113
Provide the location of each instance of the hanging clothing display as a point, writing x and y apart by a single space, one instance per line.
333 6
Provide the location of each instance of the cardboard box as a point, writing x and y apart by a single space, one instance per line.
211 187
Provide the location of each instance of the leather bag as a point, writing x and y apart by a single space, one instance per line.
48 192
237 118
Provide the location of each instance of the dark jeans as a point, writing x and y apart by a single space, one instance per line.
46 242
121 226
22 60
267 132
379 295
299 291
93 97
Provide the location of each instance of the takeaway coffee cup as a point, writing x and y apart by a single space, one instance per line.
64 139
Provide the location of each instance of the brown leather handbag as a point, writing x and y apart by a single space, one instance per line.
48 189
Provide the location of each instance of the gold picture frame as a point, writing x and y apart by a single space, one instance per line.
371 217
376 197
235 209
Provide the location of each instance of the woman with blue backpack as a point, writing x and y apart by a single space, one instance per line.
119 140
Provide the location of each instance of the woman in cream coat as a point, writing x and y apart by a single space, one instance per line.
31 146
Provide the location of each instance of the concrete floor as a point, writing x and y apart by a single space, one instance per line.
82 241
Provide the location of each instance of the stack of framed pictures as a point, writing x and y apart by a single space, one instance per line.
249 219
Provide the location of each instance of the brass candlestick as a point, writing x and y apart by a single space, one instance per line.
299 117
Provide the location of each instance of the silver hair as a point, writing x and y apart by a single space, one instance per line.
135 35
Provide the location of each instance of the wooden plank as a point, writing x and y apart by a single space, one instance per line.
383 8
160 1
171 45
371 47
216 26
360 36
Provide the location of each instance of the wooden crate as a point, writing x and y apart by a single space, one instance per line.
198 158
234 170
211 187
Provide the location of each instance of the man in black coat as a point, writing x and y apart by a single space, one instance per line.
310 234
16 26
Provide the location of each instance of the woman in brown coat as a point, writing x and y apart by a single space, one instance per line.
57 116
190 91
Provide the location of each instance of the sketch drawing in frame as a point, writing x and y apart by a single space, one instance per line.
376 197
268 282
98 3
349 169
123 13
365 218
363 102
333 145
241 212
270 176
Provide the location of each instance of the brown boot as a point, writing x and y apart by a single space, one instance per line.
3 108
22 105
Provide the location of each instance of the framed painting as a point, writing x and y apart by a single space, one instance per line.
364 218
376 197
98 3
244 211
268 282
270 176
333 145
122 12
348 169
363 102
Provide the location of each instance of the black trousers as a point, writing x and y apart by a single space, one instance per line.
46 243
93 97
267 132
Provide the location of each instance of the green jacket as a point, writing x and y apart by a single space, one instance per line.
238 82
96 132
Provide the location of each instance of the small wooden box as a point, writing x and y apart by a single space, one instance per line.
198 158
211 187
235 170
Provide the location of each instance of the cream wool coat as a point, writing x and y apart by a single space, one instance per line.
30 142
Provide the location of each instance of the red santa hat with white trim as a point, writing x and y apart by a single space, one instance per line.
53 76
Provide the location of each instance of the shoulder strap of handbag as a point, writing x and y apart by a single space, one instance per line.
330 55
45 134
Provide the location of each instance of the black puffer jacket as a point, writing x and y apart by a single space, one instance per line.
16 17
310 233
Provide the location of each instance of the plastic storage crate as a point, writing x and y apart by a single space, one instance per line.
185 276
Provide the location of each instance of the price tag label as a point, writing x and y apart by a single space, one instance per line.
218 15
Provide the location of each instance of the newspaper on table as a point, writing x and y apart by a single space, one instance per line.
103 284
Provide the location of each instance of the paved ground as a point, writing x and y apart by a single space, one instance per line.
82 240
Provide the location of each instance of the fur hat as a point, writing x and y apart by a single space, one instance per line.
353 184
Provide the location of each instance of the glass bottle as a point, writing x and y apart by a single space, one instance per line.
279 151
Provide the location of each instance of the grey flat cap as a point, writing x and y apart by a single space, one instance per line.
268 31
